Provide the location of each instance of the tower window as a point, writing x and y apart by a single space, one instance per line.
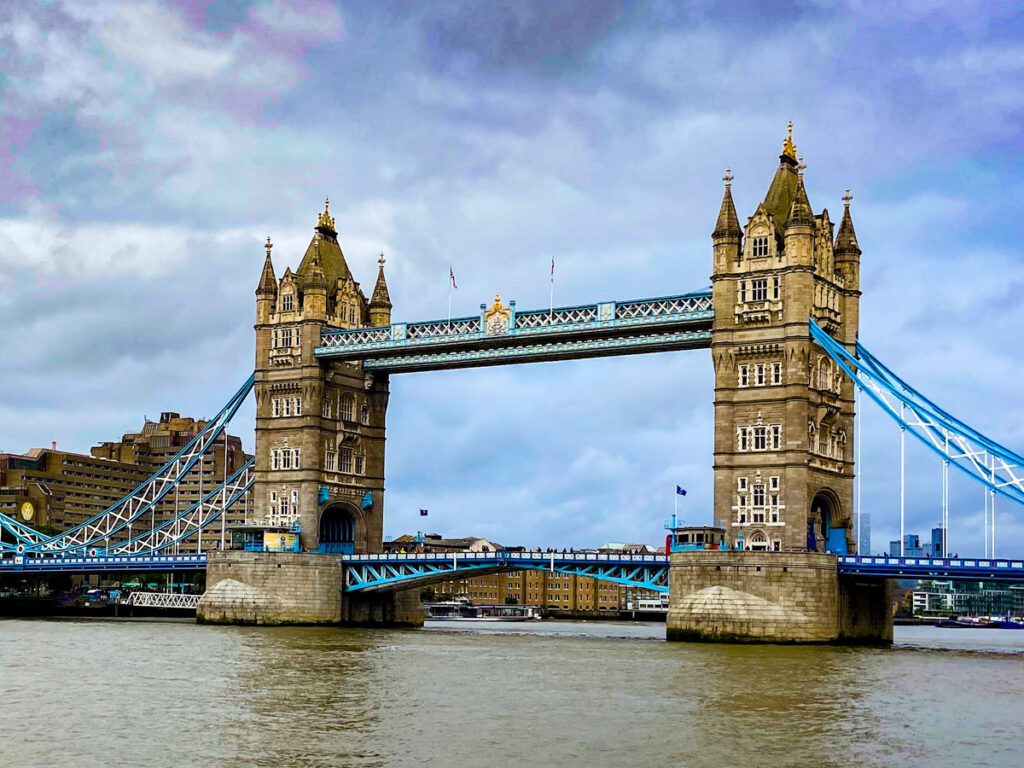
776 373
759 495
286 407
759 379
744 375
346 460
759 290
275 407
360 463
773 483
364 414
352 315
743 291
287 303
775 288
329 461
776 437
760 247
744 436
297 406
760 439
741 483
348 404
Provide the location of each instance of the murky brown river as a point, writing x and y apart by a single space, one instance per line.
92 693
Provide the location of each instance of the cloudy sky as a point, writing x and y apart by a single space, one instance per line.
147 150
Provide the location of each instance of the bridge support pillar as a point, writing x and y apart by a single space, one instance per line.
773 597
382 609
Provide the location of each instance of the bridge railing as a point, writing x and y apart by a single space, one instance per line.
609 315
502 557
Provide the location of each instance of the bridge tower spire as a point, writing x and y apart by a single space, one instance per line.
783 412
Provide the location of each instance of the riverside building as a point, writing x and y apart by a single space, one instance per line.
54 490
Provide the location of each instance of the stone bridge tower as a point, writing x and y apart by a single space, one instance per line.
784 414
320 427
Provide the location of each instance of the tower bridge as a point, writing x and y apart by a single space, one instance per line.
781 323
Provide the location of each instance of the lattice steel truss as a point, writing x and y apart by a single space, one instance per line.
367 573
116 518
957 443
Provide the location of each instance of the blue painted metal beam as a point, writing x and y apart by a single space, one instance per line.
593 330
103 564
942 569
386 572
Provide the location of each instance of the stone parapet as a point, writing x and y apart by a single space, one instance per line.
772 597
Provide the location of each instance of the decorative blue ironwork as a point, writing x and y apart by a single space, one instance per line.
365 573
949 569
605 328
981 458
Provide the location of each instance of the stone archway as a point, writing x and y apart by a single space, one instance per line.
824 531
337 529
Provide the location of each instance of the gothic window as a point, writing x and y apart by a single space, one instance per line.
275 407
286 407
352 315
776 545
364 414
743 291
286 459
284 508
295 503
758 494
760 438
329 461
775 288
741 483
297 406
275 459
287 302
759 379
348 404
346 460
325 408
776 373
773 482
744 376
283 337
759 290
272 507
776 437
360 464
744 438
295 458
760 247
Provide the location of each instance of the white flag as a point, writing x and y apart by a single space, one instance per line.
451 274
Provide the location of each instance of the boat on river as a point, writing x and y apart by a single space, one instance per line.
465 611
981 622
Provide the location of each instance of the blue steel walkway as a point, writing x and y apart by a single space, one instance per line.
103 564
502 335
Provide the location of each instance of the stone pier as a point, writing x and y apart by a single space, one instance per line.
774 597
295 588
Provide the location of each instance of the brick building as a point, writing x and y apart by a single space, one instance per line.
55 490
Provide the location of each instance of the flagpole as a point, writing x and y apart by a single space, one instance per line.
551 305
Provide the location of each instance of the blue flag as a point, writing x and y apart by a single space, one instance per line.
680 491
423 513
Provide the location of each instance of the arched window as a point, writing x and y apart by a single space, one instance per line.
348 405
758 541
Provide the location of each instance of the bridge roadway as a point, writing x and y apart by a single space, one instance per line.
502 335
386 572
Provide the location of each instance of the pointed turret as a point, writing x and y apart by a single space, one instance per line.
846 249
846 240
783 189
314 302
728 224
332 260
266 291
800 214
268 281
380 303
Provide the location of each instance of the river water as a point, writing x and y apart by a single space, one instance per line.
167 693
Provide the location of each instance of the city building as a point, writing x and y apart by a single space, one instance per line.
54 490
968 598
912 546
864 542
